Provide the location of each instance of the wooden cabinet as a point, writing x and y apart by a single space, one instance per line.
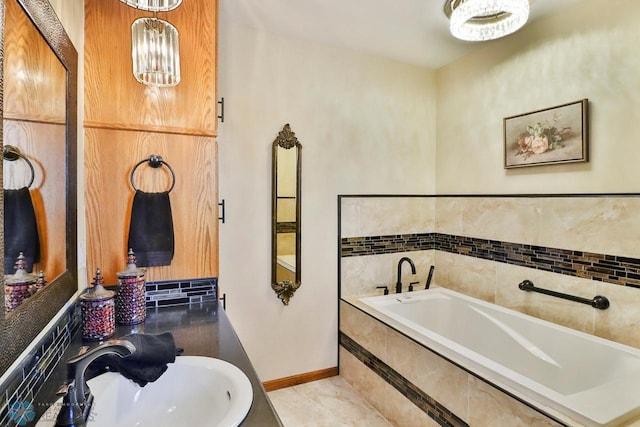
126 122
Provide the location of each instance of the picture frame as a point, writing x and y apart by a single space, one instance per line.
554 135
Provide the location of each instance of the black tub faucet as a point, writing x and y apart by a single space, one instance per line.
413 271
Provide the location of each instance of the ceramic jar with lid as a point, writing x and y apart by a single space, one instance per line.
98 311
131 295
17 287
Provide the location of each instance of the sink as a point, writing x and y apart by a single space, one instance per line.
194 390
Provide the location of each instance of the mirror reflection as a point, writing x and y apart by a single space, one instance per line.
286 192
34 127
39 117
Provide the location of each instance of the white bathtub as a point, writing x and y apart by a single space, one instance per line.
588 379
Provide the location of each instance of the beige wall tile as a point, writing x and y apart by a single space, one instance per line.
621 321
608 225
471 276
568 313
449 215
361 274
513 219
362 328
490 407
381 216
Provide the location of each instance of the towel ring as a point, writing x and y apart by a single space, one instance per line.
155 161
12 153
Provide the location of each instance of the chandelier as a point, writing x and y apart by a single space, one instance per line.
477 20
155 49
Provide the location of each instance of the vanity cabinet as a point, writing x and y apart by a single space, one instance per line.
126 122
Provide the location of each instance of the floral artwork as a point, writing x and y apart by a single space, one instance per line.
553 135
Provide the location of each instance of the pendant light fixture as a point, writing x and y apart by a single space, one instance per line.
155 49
479 20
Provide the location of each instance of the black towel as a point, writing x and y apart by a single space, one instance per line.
20 229
146 364
151 229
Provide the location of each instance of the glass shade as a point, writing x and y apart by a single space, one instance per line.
477 20
155 52
153 5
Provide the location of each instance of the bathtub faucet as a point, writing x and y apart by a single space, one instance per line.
413 271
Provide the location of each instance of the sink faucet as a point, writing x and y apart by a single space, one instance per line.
413 271
77 396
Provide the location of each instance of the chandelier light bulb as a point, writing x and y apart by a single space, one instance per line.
153 5
155 52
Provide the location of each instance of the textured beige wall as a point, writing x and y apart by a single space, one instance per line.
367 125
585 52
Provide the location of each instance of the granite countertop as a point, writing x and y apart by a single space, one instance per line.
202 330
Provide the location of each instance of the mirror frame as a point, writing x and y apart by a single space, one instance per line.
286 139
19 328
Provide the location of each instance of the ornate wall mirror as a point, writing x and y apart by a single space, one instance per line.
39 119
285 214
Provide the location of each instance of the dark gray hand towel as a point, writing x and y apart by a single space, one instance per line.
20 229
151 229
146 364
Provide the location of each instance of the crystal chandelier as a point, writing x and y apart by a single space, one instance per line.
477 20
153 5
155 50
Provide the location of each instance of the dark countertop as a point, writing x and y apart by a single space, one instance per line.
202 330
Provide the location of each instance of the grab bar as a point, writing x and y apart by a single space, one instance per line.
598 301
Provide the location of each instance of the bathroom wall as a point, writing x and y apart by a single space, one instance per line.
366 126
485 246
588 51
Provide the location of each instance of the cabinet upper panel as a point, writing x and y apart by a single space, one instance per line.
113 97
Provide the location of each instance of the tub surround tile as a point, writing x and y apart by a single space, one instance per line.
490 407
366 382
374 216
563 312
506 219
620 322
432 374
600 225
471 276
449 215
362 274
363 329
426 403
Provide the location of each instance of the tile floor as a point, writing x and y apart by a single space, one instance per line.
330 402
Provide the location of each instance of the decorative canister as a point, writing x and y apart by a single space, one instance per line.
98 311
130 298
17 286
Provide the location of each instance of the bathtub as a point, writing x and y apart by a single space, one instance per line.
588 379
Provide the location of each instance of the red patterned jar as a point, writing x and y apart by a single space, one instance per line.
17 287
98 311
131 305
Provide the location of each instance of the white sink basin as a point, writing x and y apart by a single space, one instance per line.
194 391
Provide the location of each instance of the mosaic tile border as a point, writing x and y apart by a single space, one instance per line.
426 403
25 382
175 292
613 269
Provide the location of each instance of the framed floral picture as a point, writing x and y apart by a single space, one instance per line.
553 135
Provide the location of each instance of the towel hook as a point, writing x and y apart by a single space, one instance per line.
155 161
12 153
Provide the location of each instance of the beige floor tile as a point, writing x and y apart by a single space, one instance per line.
330 402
